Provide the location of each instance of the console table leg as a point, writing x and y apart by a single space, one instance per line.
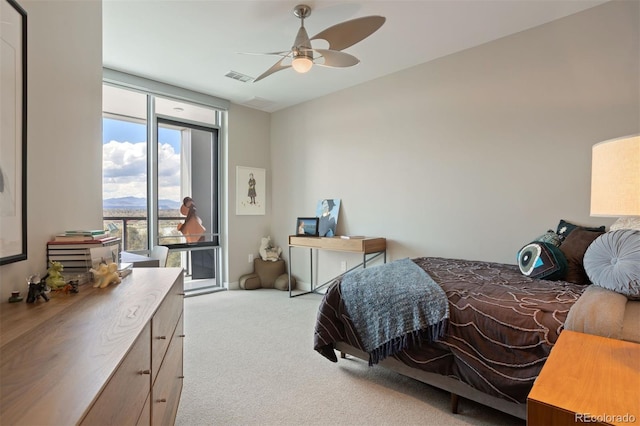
289 271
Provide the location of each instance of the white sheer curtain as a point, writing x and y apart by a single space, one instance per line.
185 164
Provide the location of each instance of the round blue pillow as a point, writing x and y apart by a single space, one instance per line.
612 261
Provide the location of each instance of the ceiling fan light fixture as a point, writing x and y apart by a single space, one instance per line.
338 37
302 64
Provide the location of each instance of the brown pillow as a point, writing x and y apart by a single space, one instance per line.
574 247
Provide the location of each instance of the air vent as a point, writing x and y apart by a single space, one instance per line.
238 76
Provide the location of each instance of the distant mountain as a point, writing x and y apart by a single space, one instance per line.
137 203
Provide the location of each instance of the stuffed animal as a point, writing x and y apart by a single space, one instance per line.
54 278
268 251
105 275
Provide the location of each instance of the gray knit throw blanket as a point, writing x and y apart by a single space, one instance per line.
394 306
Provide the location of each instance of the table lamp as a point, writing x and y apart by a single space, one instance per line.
615 181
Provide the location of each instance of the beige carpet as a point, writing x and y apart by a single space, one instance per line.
249 360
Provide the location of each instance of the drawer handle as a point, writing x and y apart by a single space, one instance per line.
161 400
145 372
180 377
182 335
161 337
182 294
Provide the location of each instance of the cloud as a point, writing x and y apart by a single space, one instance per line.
125 170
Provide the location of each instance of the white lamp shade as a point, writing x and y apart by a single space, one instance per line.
302 64
615 177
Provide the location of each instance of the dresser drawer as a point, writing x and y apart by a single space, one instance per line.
145 417
164 324
165 394
123 398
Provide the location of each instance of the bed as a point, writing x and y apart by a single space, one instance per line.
500 329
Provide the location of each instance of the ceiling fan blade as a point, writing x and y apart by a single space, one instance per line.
348 33
336 59
283 53
274 68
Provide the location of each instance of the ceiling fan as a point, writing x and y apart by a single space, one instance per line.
303 55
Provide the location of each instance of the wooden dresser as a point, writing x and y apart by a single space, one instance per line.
101 356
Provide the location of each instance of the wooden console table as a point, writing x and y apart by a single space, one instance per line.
370 248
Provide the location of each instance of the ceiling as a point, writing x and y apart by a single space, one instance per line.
194 44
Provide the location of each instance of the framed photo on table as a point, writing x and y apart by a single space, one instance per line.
13 132
307 227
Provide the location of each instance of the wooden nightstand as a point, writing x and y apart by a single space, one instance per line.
587 379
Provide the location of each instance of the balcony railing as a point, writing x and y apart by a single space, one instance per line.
132 230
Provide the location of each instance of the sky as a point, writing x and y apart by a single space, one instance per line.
125 161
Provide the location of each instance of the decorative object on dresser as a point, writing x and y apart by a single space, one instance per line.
54 278
15 297
118 354
37 289
105 274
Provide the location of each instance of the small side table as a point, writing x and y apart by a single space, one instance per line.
587 379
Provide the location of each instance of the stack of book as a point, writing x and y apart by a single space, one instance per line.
91 235
75 252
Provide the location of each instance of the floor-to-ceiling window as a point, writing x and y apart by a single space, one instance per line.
124 166
157 150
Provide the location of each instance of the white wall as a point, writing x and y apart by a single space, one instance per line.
64 179
472 155
248 147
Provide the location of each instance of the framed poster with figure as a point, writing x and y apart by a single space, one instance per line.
13 132
327 211
251 190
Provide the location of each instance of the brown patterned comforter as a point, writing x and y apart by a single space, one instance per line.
502 325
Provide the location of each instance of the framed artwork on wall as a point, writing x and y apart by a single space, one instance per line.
251 190
13 132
